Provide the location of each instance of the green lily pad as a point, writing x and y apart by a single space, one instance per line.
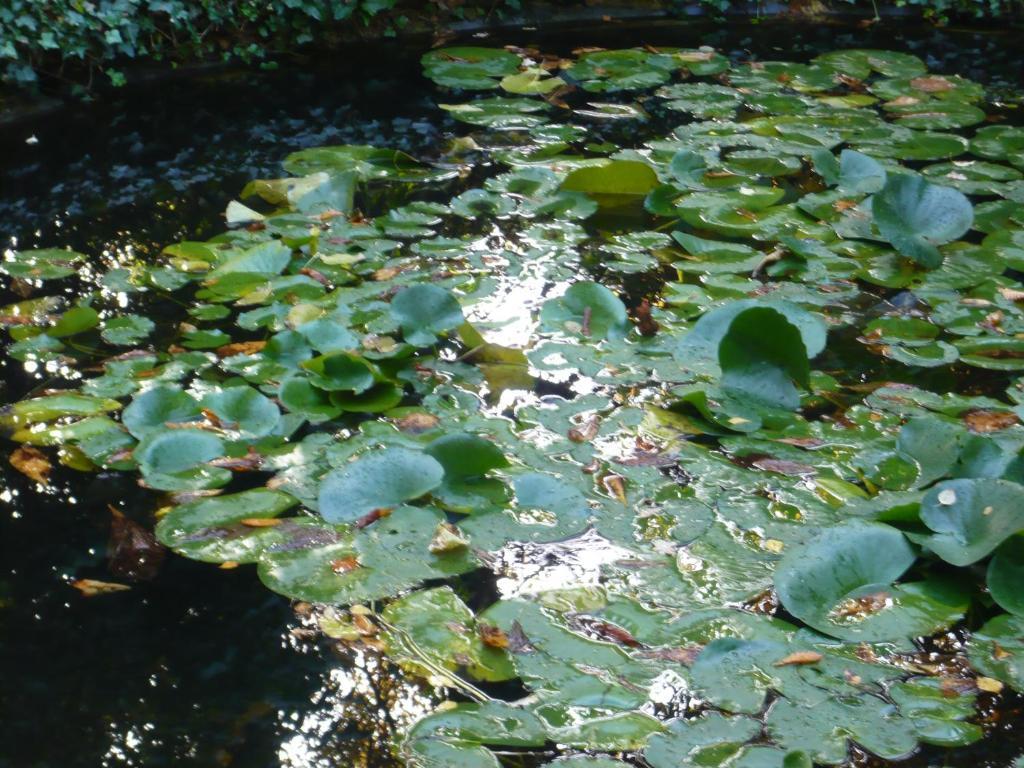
127 330
468 67
1000 142
1006 574
42 264
587 309
213 529
433 628
842 583
997 650
425 312
613 180
970 518
152 410
243 410
466 460
178 460
916 216
326 565
377 481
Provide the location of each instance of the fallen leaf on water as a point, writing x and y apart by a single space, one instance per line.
686 655
240 348
989 685
32 463
518 642
989 421
802 442
447 538
932 84
1012 294
903 101
616 486
320 277
586 431
866 605
646 325
492 636
260 522
953 687
371 517
415 423
94 588
799 657
251 462
614 634
784 467
132 550
345 564
364 626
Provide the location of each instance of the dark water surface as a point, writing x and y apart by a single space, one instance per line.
202 666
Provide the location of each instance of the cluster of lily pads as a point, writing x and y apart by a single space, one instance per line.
647 361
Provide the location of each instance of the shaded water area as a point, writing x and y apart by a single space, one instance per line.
204 666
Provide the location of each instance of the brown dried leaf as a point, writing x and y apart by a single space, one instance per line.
320 277
586 431
989 685
251 462
686 655
616 486
646 325
94 588
799 657
260 522
784 467
447 538
345 564
240 348
492 636
1013 294
932 84
364 625
32 463
802 442
518 642
385 273
614 634
861 606
417 423
371 517
989 421
132 550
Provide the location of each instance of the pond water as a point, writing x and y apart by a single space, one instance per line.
205 666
